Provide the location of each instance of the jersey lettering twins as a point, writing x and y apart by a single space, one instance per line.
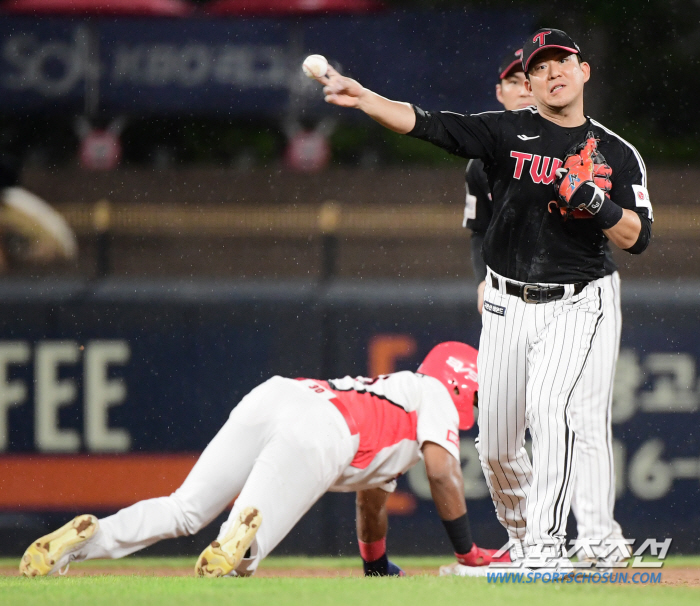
392 415
521 151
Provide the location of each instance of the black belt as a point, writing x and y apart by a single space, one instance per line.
532 293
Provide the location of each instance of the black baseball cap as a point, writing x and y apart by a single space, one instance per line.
512 62
547 37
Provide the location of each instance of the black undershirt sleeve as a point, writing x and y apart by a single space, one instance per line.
629 192
644 237
478 212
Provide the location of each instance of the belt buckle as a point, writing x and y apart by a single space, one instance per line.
526 293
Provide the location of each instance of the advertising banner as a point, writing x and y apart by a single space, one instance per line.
234 67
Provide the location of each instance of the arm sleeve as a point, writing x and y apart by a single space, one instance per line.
477 213
468 136
630 191
479 205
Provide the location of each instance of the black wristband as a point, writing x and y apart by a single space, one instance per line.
608 215
377 568
460 533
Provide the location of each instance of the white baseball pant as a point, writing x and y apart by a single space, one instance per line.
594 485
280 450
531 362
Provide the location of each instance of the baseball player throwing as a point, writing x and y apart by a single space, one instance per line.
594 483
284 445
562 186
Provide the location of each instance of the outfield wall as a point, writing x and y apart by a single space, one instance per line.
109 389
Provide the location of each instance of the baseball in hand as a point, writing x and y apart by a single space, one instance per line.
315 66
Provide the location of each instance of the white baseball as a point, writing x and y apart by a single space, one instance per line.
315 66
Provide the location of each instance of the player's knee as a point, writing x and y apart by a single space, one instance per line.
497 458
193 522
189 519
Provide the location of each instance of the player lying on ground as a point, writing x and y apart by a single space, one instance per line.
287 443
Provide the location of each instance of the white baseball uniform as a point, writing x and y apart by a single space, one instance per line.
285 444
535 371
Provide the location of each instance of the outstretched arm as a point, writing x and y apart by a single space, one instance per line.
346 92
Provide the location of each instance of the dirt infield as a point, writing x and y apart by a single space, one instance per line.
671 576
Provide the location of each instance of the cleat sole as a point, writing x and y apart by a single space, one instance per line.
222 557
42 555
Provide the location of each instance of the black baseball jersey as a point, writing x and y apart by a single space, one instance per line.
521 151
477 216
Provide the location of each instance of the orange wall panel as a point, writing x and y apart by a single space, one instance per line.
55 483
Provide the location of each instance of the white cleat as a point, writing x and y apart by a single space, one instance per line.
50 553
222 558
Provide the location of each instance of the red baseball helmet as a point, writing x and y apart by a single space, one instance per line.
454 365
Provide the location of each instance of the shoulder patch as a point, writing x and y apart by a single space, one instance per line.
642 200
453 437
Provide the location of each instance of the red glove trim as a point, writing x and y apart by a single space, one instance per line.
372 551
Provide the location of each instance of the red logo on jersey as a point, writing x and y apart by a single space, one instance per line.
640 195
453 437
539 38
542 170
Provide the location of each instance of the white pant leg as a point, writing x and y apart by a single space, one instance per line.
563 334
594 486
310 449
502 379
218 476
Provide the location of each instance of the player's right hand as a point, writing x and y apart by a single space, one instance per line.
340 90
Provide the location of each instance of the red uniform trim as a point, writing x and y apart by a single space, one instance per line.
346 415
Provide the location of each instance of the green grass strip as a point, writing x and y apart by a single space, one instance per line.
419 590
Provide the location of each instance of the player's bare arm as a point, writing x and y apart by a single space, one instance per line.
446 481
447 488
371 517
625 233
346 92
